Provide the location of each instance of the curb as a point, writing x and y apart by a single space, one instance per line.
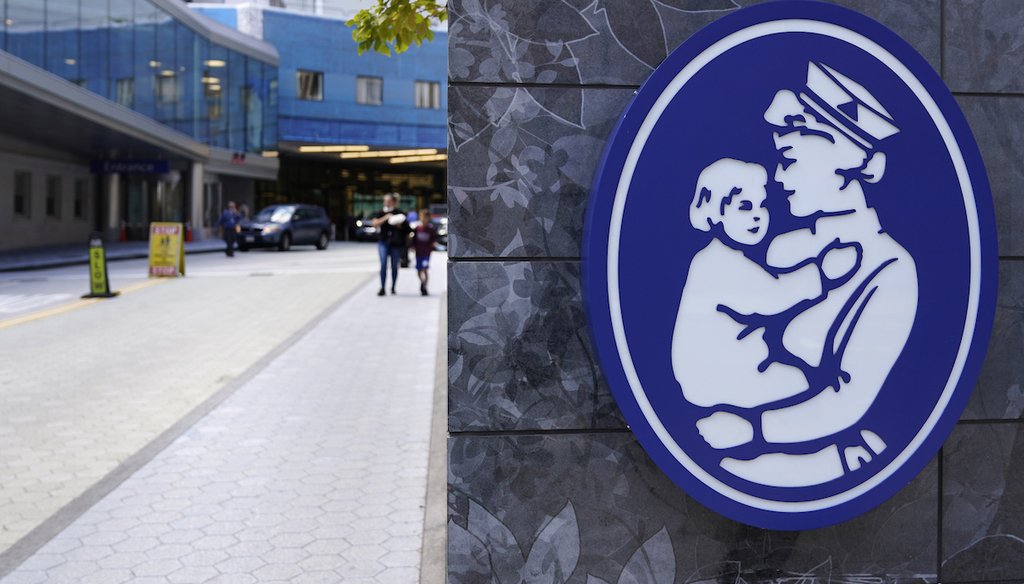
84 261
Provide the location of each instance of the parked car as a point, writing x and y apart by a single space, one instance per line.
365 231
283 226
440 224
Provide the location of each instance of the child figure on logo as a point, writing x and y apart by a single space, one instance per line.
718 356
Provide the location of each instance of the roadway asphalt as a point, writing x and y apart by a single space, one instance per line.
265 418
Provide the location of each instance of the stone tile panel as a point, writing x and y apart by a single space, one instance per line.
984 48
1000 390
1001 141
983 503
593 508
616 42
521 165
519 355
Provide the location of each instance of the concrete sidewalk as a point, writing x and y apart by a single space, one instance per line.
314 469
55 256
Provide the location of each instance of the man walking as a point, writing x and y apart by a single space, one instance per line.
230 224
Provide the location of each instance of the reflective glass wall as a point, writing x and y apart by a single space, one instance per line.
134 53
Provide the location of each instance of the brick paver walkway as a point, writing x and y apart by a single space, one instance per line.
312 471
83 392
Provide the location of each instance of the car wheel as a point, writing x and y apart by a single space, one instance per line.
243 248
286 242
322 242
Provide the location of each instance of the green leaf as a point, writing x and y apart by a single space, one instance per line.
395 24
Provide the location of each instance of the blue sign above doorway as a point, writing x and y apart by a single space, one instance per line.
790 264
131 166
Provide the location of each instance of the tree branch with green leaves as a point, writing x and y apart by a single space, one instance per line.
395 25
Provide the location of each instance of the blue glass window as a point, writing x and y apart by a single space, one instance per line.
136 54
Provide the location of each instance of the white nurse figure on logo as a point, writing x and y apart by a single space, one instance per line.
829 134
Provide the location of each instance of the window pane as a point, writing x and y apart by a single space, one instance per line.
188 59
22 193
428 94
94 41
125 91
81 198
25 30
62 38
310 85
255 99
53 196
121 62
202 81
215 76
369 90
166 96
167 74
233 109
147 65
270 111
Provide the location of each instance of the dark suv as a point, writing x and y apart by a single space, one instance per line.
282 226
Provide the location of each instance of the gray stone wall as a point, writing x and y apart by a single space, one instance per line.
546 483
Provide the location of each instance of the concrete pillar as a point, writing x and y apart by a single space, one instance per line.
112 196
195 194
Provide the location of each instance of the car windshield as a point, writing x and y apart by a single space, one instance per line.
275 214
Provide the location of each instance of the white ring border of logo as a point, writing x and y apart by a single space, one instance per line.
622 190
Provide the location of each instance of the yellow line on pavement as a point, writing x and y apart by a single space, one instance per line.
143 284
80 303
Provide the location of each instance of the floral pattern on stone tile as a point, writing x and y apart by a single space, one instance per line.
983 503
519 355
616 42
1002 146
984 49
1000 390
917 21
521 165
505 492
489 548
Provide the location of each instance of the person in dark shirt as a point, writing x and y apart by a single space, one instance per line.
230 220
423 237
393 228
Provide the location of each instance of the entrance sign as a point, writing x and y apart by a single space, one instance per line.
166 249
131 166
790 265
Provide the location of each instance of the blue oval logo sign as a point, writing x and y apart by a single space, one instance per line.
790 265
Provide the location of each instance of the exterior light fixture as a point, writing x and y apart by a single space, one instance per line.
214 63
335 148
389 153
211 80
154 64
70 61
426 158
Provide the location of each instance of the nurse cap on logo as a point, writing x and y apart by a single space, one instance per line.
837 101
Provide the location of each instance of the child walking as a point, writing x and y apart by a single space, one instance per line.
423 238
